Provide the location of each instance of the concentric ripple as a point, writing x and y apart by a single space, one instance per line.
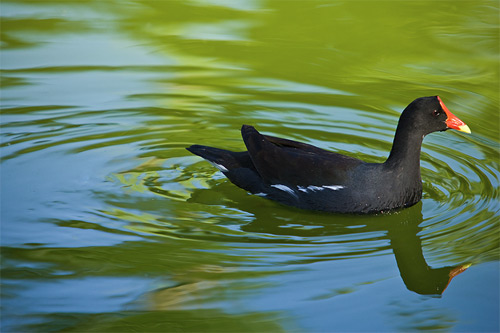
150 172
456 187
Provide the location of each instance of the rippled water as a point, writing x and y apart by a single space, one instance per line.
109 224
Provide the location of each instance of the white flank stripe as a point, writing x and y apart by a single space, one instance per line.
261 194
334 187
284 188
315 188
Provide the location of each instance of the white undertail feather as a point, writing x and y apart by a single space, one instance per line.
219 166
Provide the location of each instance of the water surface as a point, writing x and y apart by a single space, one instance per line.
109 224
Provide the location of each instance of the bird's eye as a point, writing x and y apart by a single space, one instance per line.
436 113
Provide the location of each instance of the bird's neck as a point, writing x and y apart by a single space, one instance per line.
405 152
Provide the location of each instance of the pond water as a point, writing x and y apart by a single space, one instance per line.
109 224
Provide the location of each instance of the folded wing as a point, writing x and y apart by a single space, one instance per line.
291 163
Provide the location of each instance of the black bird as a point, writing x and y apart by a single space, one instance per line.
308 177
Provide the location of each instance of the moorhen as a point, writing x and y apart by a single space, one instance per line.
308 177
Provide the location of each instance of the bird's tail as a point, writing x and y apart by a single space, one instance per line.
222 159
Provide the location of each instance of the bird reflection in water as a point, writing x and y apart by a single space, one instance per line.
402 231
417 275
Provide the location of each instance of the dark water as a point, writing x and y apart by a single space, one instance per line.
109 224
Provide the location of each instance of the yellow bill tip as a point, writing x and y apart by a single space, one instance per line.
464 128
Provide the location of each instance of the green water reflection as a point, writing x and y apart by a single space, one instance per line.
108 224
